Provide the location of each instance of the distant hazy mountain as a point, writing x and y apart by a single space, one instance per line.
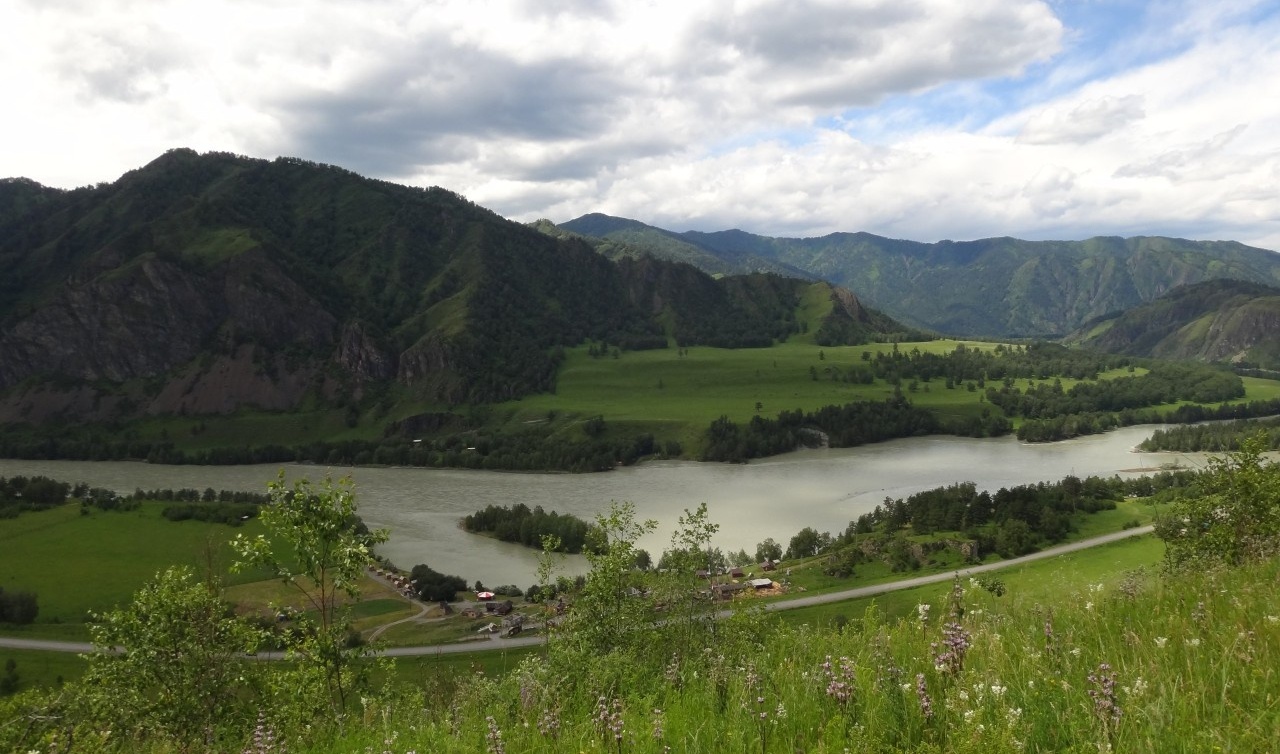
206 283
996 286
1218 320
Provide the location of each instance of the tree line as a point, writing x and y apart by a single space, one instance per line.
1074 425
530 450
846 426
1219 437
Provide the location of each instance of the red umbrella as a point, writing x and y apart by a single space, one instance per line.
484 595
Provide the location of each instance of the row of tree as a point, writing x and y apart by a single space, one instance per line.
530 450
846 426
1074 425
1218 437
1164 383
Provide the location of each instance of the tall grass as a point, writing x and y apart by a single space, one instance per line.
1138 663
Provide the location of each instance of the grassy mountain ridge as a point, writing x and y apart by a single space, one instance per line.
998 287
208 282
1217 320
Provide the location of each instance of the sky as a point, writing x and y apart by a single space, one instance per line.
917 119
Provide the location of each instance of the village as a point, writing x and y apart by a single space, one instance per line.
487 616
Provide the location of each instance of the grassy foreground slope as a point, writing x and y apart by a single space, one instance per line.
1130 662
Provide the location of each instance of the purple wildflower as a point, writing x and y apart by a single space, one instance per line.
264 739
839 681
949 655
494 738
1103 693
609 718
922 693
549 723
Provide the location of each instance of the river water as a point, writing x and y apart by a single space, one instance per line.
774 497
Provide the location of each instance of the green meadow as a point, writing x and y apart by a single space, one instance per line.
80 563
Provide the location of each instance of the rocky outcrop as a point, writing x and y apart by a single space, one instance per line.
138 321
360 355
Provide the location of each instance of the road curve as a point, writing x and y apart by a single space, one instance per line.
48 645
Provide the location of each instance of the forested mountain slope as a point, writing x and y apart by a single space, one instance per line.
996 287
1218 320
203 283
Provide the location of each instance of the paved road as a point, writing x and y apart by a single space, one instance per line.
787 604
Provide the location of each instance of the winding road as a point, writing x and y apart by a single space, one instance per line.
791 603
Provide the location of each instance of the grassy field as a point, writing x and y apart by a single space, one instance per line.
671 393
1062 580
78 563
665 387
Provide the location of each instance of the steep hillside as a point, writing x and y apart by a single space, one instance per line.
996 287
207 283
1218 320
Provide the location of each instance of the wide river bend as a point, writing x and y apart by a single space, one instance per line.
773 497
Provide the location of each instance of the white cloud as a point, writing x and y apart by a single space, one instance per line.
688 114
1084 122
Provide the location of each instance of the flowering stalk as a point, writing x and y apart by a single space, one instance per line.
1102 690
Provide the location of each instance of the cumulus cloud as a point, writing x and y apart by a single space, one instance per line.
798 117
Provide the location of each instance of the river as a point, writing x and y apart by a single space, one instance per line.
774 497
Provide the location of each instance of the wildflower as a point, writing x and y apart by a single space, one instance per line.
549 723
658 727
1075 651
672 672
1102 691
1088 605
608 717
1161 641
949 657
494 738
264 739
997 690
1138 688
922 611
922 694
839 682
1193 641
1273 619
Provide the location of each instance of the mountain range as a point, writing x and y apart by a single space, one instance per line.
994 287
203 283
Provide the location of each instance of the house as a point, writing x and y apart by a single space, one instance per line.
768 565
502 608
727 591
736 572
472 611
761 583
